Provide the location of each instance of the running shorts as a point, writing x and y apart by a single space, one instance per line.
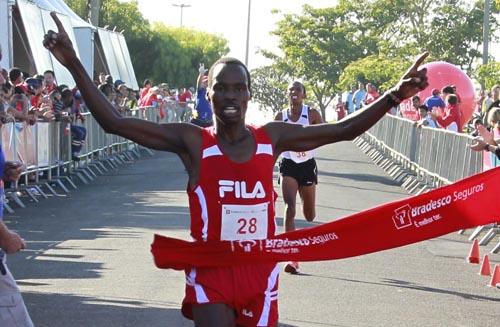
305 173
252 291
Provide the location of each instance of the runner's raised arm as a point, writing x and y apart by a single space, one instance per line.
168 137
299 138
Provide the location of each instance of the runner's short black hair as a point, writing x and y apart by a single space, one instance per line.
229 61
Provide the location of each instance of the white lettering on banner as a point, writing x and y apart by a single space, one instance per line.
463 195
244 222
405 216
283 246
239 188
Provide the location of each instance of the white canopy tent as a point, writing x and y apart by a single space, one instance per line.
31 20
5 34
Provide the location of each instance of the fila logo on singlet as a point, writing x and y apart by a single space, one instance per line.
240 189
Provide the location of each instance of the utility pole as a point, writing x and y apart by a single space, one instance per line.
486 30
182 6
248 32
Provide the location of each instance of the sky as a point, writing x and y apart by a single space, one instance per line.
228 18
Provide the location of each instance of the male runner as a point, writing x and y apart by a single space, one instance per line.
229 170
298 170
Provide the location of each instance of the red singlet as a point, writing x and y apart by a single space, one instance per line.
235 201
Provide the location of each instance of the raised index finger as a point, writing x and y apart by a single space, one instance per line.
59 25
420 59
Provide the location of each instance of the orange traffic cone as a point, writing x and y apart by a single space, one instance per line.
485 267
495 279
474 253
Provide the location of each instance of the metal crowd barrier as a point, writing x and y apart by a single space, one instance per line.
45 150
423 158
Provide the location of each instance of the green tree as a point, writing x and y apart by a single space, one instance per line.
318 44
489 74
382 71
158 52
181 50
269 85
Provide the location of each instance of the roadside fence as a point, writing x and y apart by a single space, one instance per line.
424 158
45 150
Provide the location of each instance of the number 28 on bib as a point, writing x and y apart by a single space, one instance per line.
244 222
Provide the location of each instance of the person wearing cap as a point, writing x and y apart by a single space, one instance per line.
203 110
434 101
35 91
450 118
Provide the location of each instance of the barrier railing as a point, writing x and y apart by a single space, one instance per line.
438 153
45 150
422 158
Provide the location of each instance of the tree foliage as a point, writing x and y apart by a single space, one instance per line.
181 50
373 40
383 72
489 74
269 84
158 52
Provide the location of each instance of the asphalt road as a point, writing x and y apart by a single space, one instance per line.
89 262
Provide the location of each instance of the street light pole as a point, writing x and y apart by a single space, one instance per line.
486 30
248 32
182 6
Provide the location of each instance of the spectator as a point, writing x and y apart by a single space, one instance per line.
49 82
451 117
476 123
109 91
102 78
434 101
144 91
486 141
495 102
340 107
371 94
16 77
184 97
425 118
109 80
359 96
349 101
35 91
151 99
71 113
415 102
202 108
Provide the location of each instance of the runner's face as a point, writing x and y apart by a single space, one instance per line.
296 93
229 93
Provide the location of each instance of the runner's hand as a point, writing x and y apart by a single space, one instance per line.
413 81
59 43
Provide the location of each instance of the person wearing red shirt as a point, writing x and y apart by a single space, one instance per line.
371 94
451 117
144 92
183 98
49 82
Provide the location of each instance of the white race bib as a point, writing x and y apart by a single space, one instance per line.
244 222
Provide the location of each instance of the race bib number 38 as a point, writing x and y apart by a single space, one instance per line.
244 222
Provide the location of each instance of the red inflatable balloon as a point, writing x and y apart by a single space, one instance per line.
441 74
